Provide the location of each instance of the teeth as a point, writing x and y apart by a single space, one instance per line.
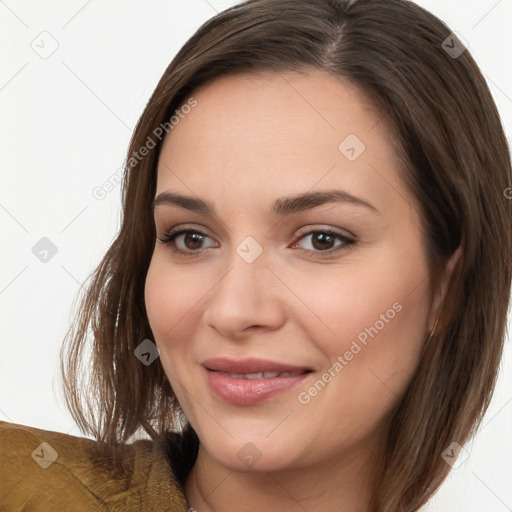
251 375
261 375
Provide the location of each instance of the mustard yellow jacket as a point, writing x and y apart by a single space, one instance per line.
44 471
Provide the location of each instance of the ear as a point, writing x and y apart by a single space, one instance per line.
440 293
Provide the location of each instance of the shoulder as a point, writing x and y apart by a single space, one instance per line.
41 469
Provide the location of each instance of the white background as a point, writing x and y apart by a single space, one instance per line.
65 127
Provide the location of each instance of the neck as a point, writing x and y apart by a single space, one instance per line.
344 483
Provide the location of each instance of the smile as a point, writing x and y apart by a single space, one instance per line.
251 381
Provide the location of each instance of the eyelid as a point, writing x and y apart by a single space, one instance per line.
313 228
186 227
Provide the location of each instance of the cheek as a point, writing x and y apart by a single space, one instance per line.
374 317
172 299
378 318
347 304
172 303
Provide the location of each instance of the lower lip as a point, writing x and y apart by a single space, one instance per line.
249 391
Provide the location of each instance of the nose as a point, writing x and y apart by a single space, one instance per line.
247 298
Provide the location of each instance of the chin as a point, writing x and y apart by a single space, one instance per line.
250 453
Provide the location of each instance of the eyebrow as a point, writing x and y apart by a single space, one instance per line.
282 205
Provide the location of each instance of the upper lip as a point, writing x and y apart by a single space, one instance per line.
250 365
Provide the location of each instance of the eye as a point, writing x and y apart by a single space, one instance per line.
190 242
324 241
186 241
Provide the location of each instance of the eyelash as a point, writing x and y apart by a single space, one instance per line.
169 238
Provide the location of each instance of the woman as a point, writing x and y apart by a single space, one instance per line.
306 303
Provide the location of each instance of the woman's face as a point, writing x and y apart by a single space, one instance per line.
308 272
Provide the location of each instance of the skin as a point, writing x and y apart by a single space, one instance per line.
249 141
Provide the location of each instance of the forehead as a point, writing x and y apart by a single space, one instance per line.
283 132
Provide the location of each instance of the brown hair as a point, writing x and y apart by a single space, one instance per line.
455 162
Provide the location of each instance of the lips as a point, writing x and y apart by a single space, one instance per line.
251 381
251 366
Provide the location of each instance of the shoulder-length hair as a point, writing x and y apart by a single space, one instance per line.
454 159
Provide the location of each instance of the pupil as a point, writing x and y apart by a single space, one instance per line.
322 241
193 240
